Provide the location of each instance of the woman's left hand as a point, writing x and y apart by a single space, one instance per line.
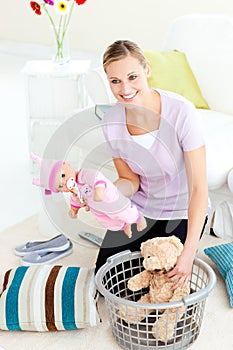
181 273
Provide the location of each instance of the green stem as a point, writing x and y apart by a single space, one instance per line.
69 16
59 40
50 18
62 28
66 22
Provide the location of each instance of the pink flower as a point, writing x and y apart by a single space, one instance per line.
49 2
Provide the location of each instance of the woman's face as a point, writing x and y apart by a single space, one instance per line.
128 80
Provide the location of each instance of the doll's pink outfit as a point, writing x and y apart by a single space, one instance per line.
115 211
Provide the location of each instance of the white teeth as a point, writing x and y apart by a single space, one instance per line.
128 96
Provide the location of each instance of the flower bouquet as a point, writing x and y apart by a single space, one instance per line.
59 26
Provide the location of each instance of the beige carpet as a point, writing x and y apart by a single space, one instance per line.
216 331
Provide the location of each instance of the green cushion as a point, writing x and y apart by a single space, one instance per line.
171 71
222 256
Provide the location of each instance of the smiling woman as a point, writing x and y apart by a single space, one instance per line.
167 179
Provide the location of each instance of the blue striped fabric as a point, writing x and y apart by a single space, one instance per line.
48 298
12 319
68 290
222 256
229 284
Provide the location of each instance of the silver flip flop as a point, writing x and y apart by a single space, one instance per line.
55 244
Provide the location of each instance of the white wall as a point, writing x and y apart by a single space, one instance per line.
97 23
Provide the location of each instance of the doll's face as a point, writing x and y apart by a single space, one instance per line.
65 177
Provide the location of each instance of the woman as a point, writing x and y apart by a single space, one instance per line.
158 150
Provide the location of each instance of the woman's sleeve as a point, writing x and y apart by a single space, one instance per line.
191 130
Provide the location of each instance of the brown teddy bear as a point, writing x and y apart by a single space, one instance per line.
160 255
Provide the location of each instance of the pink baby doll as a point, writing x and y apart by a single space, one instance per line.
90 188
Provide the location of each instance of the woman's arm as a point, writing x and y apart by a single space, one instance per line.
128 182
195 163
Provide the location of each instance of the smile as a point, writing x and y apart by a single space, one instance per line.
129 97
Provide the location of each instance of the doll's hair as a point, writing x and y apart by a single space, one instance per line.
121 49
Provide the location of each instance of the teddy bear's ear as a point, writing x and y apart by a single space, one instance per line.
177 243
143 248
146 247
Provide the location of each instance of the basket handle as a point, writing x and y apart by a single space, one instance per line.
125 255
196 297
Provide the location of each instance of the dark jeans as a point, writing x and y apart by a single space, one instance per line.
115 242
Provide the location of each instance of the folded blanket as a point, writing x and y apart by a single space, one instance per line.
48 298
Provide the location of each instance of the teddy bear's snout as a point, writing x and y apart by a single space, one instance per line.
152 263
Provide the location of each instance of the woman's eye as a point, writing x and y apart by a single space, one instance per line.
60 186
63 175
115 81
132 77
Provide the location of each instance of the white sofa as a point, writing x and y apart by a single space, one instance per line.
207 41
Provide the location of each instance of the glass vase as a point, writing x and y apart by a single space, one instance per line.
61 49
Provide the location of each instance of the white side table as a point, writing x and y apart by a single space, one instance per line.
54 94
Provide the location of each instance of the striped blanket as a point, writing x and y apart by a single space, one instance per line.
48 298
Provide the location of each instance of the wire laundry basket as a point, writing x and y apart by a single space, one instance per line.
139 326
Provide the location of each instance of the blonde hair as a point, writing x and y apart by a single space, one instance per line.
121 49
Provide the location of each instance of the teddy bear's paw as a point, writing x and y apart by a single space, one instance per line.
142 224
164 328
133 284
131 314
